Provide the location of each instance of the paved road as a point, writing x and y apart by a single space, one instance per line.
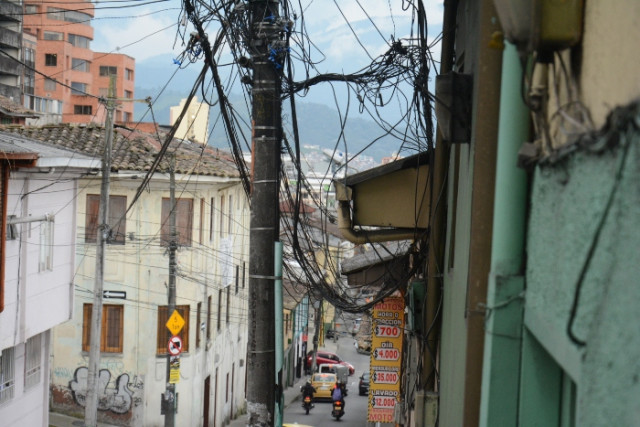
355 405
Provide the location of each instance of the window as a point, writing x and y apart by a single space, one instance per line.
128 74
7 378
46 246
53 35
79 41
221 215
209 318
237 277
32 364
128 94
184 221
111 333
201 233
30 9
162 341
198 325
106 70
82 110
78 88
67 15
117 207
230 223
212 218
226 314
80 64
50 59
219 307
49 84
126 117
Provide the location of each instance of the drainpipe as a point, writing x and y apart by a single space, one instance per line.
505 301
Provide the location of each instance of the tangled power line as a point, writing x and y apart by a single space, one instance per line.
396 81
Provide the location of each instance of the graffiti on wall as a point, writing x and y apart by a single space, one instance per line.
117 399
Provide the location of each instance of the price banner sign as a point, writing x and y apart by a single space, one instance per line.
383 377
386 359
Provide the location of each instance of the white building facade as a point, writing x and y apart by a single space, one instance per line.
39 184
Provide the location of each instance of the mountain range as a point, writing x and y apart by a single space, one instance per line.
318 124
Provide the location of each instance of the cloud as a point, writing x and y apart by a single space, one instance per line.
146 35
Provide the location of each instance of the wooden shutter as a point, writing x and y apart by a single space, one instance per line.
91 218
86 326
198 330
117 207
162 335
112 328
184 221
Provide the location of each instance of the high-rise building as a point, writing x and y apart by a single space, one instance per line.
10 43
68 70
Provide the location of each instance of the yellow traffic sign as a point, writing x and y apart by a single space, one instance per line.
175 322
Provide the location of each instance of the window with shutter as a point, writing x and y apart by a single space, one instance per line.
163 333
184 221
112 330
117 208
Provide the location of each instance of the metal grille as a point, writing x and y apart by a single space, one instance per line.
33 361
7 375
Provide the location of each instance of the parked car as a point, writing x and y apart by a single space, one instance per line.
363 385
364 345
323 383
328 357
332 333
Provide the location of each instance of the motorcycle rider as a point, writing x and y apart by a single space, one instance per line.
307 390
338 392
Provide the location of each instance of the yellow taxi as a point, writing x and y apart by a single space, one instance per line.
323 383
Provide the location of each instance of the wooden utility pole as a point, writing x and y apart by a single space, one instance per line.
265 217
91 404
170 391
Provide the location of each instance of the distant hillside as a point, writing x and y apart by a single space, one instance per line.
318 124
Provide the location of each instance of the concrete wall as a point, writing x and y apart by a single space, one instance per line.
569 199
136 377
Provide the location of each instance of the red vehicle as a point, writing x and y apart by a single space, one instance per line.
328 357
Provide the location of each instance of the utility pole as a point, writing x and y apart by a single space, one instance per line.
265 216
170 391
91 404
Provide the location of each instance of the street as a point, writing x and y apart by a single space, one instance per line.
355 405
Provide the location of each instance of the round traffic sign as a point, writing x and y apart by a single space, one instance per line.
175 345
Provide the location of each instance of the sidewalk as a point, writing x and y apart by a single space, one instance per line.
291 394
59 420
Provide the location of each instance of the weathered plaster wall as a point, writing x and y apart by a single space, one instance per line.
568 201
609 69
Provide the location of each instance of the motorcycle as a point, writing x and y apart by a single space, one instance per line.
338 409
306 404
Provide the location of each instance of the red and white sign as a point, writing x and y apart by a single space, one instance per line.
175 345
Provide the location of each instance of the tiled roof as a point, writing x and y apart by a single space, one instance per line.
13 109
132 150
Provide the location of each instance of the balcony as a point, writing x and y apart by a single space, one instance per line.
11 12
9 38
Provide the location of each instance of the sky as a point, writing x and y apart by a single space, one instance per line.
145 30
